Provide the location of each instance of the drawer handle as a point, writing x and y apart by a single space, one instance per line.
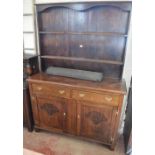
64 114
81 95
61 91
39 88
108 98
78 116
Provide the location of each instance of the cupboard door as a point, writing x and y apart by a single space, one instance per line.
95 121
52 113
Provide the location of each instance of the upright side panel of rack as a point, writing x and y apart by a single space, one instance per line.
37 37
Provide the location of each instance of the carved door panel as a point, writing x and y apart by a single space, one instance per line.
96 121
51 113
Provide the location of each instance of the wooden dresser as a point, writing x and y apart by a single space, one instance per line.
87 36
82 108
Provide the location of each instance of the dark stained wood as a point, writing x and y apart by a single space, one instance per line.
88 36
109 70
93 19
82 59
97 47
27 111
124 6
128 123
86 31
54 45
30 66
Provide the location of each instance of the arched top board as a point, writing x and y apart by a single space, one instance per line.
85 6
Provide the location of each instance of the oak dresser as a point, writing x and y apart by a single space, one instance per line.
86 36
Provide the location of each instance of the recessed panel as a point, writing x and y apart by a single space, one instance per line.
97 47
55 19
56 45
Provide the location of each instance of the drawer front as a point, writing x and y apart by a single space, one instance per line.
96 97
53 90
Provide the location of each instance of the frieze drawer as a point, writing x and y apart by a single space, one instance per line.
52 90
96 97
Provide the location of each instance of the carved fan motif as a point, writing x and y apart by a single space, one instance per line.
50 109
96 117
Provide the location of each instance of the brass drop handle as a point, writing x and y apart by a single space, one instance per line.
39 88
81 95
116 113
78 116
108 98
61 91
64 114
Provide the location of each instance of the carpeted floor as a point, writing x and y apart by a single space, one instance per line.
54 144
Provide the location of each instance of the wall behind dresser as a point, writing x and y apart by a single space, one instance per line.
31 47
29 27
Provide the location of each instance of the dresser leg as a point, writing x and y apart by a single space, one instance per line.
112 146
36 130
30 129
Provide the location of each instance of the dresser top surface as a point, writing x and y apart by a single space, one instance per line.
108 85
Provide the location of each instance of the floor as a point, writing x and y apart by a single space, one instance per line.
55 144
30 152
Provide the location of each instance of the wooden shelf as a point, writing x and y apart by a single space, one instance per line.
86 33
82 59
